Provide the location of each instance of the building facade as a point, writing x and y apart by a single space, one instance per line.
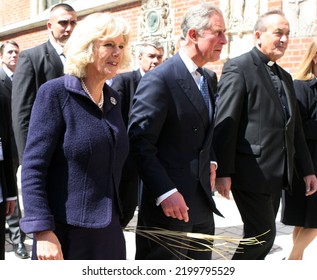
25 22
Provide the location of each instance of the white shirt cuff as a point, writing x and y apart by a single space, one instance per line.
164 196
215 163
12 198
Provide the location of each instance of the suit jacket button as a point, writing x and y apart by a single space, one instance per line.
195 129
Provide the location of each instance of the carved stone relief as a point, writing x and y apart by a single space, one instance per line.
156 22
302 17
240 17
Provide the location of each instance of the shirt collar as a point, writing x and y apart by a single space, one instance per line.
142 72
190 65
57 47
264 58
7 70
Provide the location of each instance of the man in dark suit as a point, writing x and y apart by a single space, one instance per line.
8 187
258 135
150 55
170 130
38 65
9 54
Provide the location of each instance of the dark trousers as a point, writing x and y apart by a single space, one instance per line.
159 249
90 244
16 234
128 191
2 228
258 212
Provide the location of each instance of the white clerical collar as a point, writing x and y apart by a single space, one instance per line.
270 63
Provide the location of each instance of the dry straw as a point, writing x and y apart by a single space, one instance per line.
176 241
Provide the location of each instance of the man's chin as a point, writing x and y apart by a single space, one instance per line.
62 42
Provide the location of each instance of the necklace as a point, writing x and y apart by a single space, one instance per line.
100 104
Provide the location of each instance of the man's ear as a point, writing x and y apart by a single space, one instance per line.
192 35
257 38
49 26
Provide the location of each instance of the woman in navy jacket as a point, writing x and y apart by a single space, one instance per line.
75 150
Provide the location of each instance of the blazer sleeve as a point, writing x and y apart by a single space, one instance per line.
231 90
23 95
145 124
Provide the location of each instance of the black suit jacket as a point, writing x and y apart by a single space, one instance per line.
7 173
5 84
5 90
253 140
170 137
35 66
126 84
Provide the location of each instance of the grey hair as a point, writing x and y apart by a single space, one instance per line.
155 43
79 47
262 24
197 17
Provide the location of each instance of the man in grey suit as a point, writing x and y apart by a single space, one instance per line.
170 130
150 56
9 54
38 65
258 137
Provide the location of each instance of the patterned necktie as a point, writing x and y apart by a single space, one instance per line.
204 87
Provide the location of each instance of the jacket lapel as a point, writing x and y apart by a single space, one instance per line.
5 80
267 83
54 59
185 80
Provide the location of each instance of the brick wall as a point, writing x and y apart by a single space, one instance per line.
19 10
13 10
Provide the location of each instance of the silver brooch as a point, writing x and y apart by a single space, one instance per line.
113 100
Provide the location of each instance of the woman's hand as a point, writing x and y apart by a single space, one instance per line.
48 246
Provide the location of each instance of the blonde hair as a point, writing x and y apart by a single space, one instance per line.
80 45
305 71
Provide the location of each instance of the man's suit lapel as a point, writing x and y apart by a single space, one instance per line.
5 80
54 59
190 89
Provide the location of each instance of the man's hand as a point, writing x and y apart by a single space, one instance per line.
10 205
223 186
175 207
212 176
311 184
48 246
